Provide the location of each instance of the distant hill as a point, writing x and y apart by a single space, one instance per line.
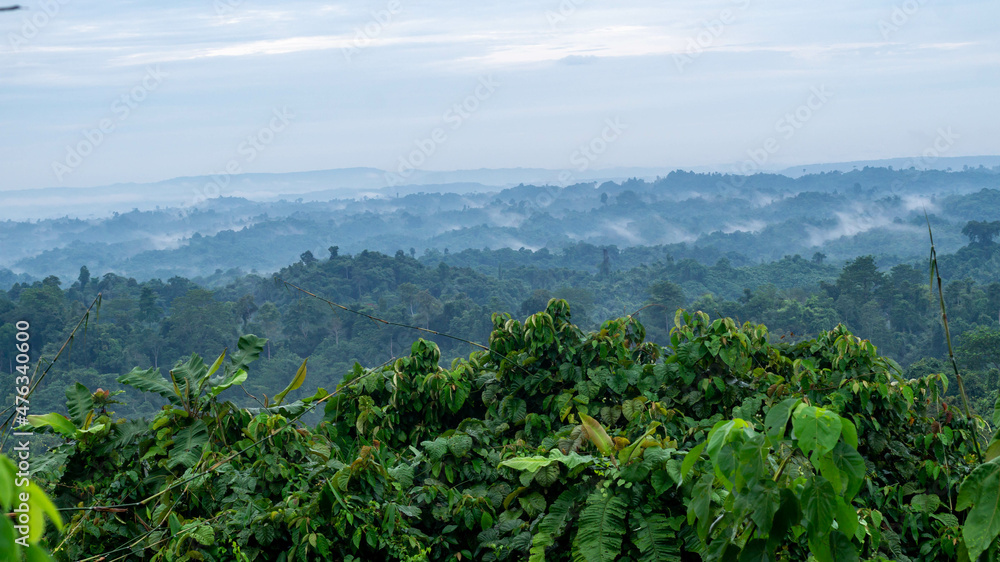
746 219
942 163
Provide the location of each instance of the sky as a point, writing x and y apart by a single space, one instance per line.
96 93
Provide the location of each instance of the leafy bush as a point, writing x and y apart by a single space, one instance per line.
554 444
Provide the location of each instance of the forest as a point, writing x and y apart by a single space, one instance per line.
516 404
747 219
770 394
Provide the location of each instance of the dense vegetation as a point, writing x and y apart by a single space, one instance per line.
748 219
552 444
327 432
155 324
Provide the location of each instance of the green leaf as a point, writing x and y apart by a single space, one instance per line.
150 380
204 534
601 528
40 507
248 350
852 469
720 433
7 538
925 503
819 505
654 538
79 402
847 517
8 470
777 418
571 460
690 459
547 475
981 489
785 518
816 429
56 421
842 548
297 380
530 464
188 445
35 553
596 434
849 432
756 551
239 377
189 376
211 370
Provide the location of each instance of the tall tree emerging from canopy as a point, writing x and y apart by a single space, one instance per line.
981 232
84 276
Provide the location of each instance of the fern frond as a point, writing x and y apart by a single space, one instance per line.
654 538
125 433
602 525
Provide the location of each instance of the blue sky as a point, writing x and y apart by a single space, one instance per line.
368 83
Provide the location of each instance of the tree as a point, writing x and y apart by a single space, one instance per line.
980 348
819 257
244 309
269 318
198 320
536 302
84 277
308 258
981 232
334 250
149 311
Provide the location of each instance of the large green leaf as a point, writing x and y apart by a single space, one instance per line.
530 464
7 538
816 429
248 350
597 435
981 489
654 538
777 418
297 380
852 468
56 421
40 507
819 506
189 377
690 459
79 402
601 528
8 472
150 380
238 377
188 445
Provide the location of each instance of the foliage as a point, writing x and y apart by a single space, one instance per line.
29 508
555 444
